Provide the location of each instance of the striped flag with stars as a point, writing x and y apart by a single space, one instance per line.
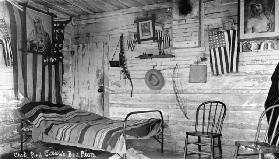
6 41
224 53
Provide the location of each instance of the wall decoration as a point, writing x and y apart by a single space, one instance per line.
39 31
258 45
5 40
198 74
145 30
224 52
258 19
154 79
123 63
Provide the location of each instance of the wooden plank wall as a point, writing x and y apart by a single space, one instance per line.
243 92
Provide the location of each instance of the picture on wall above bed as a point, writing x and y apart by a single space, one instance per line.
145 30
258 19
39 31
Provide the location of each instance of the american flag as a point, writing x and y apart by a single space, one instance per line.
6 41
37 77
131 44
163 39
224 52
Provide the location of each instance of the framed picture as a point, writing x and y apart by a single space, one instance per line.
258 19
39 31
145 30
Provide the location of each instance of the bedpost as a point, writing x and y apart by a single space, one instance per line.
158 135
162 143
21 137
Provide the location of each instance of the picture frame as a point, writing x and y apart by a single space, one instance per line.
145 29
39 42
253 28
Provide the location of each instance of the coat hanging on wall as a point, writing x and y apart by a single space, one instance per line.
272 99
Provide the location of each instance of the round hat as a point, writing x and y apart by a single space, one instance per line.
154 79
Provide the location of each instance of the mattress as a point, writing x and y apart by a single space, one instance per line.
58 123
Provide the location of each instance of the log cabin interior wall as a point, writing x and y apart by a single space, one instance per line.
243 92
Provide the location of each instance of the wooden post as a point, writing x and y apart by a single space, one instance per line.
201 21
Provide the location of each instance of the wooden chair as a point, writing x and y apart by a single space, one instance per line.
209 120
25 133
266 138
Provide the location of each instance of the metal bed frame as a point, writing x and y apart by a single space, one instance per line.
156 137
159 137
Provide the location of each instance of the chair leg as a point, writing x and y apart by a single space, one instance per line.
21 142
186 144
220 146
212 148
261 156
199 146
236 152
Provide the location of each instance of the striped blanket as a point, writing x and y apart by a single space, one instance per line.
58 123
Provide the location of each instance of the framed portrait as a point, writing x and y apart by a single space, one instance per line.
258 19
39 31
145 30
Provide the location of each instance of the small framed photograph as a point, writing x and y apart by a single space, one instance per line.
258 19
145 30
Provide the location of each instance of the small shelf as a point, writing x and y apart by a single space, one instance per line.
151 56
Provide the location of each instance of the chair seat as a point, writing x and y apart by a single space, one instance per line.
204 134
257 147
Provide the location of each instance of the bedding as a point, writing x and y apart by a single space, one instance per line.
58 123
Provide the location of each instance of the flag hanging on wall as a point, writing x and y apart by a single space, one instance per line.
5 39
164 40
224 51
131 44
37 70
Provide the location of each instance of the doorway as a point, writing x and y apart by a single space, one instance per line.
90 76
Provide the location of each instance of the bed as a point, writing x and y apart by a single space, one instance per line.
62 124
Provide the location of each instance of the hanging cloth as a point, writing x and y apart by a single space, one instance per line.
224 51
37 75
272 99
5 39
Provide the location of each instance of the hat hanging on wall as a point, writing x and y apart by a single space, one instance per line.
154 79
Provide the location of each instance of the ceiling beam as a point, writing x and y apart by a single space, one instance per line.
89 5
55 7
117 4
108 6
141 2
97 6
125 11
83 8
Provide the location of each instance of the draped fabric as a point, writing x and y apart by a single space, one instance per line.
131 44
163 40
37 75
224 52
5 40
272 99
42 78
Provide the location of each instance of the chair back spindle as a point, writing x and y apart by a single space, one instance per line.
268 126
210 116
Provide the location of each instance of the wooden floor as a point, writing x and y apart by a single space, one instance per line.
42 149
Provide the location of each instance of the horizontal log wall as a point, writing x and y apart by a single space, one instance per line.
9 116
243 92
